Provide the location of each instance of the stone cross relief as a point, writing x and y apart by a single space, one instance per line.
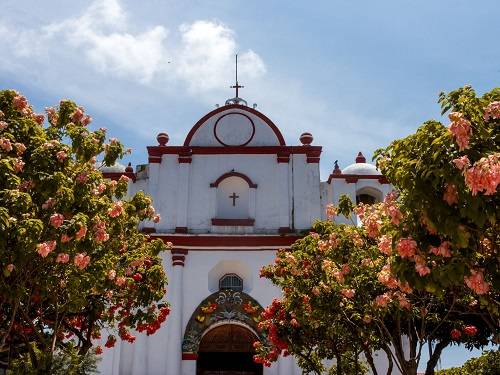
233 197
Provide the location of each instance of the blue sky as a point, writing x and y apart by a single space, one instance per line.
356 74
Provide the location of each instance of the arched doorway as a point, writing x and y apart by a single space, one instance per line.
227 350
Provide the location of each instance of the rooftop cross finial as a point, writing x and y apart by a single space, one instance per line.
237 86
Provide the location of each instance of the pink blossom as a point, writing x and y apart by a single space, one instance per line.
45 248
99 189
120 281
86 120
52 115
124 178
345 269
18 165
403 302
49 203
3 125
20 148
461 130
65 238
56 220
82 178
323 245
385 244
39 118
10 267
20 102
315 290
81 260
100 232
81 232
385 277
382 300
156 218
333 241
348 293
406 247
116 210
61 155
422 270
331 211
476 281
77 116
484 175
492 111
405 287
443 250
111 274
5 144
62 258
450 195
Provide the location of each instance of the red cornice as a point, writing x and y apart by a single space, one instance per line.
353 178
200 122
116 175
250 183
189 356
158 151
228 241
233 222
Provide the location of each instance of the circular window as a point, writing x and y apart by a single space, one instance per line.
234 129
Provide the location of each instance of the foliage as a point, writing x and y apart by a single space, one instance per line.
72 260
65 361
487 364
340 299
448 181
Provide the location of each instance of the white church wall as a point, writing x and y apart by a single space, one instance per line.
306 194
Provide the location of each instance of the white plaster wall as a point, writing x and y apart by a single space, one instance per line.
264 135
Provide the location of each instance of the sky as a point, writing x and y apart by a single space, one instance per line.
356 74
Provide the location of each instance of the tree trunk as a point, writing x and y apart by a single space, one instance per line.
432 362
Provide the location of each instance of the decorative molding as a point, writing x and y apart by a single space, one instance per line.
233 222
178 257
189 356
115 176
353 178
206 242
250 183
222 307
155 152
200 122
234 113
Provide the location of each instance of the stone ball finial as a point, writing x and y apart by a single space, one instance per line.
360 158
306 139
129 168
162 139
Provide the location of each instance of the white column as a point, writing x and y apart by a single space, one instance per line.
286 366
174 343
182 195
283 195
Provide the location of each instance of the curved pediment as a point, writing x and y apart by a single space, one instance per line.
234 125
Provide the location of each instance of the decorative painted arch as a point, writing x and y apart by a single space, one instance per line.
222 307
263 117
250 183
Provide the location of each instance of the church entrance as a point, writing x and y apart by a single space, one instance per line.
227 350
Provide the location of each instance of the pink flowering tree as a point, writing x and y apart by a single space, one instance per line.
341 300
448 175
73 263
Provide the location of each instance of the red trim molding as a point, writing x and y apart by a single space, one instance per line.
250 183
230 241
189 356
115 176
233 222
200 122
178 257
181 229
353 178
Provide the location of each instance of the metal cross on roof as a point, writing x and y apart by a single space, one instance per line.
237 86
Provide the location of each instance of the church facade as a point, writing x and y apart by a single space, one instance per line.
229 197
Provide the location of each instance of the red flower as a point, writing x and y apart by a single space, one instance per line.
455 334
137 277
470 330
98 350
110 342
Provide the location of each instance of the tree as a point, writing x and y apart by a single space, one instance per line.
448 181
73 263
340 299
487 364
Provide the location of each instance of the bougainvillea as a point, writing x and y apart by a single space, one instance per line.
342 299
448 178
73 263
